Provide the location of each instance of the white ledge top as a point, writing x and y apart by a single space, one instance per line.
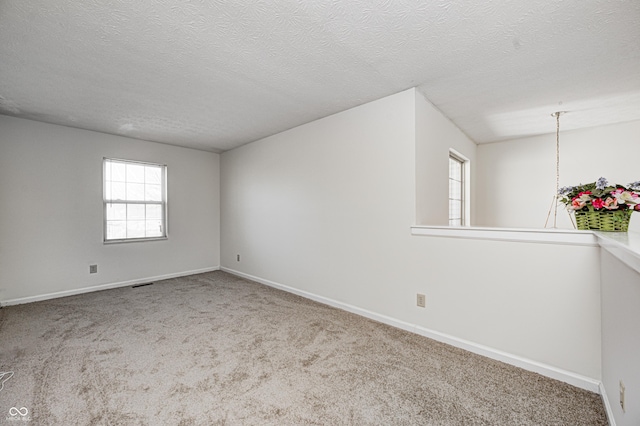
623 245
525 235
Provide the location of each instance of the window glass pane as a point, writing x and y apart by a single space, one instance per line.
116 229
455 169
135 229
154 211
135 212
454 209
153 175
116 171
116 211
154 228
115 191
455 192
135 191
135 173
152 192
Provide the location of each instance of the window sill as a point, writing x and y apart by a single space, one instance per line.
134 240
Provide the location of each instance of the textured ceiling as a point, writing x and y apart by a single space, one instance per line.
217 74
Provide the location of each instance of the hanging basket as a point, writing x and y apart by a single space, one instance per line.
604 220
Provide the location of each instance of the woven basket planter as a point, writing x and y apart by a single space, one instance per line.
604 220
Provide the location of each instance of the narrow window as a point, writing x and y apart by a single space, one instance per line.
135 201
457 201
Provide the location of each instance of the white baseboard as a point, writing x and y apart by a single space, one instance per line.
75 291
560 374
574 379
607 405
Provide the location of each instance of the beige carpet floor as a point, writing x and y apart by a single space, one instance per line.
216 349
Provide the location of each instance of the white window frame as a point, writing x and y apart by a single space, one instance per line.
465 208
107 200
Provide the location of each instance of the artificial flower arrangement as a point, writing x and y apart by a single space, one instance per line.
598 205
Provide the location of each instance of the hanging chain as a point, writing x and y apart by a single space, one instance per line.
554 203
557 114
555 209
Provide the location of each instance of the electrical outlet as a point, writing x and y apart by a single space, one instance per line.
237 258
93 269
421 300
622 389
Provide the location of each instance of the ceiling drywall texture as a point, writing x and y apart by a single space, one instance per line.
217 74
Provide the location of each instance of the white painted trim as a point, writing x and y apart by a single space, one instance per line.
82 290
607 405
322 299
623 245
544 236
571 378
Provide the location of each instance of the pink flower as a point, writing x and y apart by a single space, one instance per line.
577 204
580 201
611 203
625 197
598 203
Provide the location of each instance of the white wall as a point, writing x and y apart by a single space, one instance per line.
435 135
51 210
621 337
310 205
516 179
326 208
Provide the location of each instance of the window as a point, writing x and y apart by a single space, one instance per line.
457 190
135 201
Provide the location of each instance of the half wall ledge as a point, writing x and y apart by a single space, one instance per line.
623 245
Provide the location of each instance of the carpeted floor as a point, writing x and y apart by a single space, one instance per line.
216 349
